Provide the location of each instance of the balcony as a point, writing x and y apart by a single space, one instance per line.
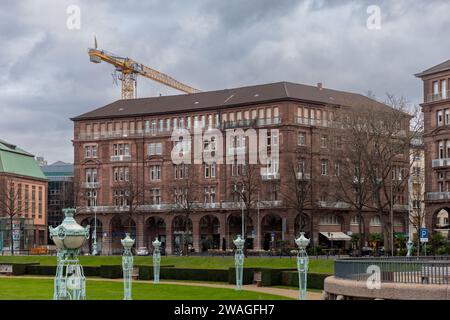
318 122
303 176
121 158
270 176
444 162
333 204
166 207
91 185
438 96
401 207
438 196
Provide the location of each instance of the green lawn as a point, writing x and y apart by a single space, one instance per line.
316 265
42 289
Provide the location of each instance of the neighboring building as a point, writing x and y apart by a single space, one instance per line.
60 190
436 110
416 185
135 136
22 181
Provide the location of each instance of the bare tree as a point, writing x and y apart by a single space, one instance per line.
130 191
187 197
352 183
246 186
387 136
297 192
10 197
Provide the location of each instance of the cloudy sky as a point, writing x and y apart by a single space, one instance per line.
47 78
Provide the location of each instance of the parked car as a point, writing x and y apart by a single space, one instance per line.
142 251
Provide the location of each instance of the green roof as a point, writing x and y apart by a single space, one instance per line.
15 160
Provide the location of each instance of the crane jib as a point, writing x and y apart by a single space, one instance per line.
129 66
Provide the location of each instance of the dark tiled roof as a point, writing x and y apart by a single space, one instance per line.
227 98
444 66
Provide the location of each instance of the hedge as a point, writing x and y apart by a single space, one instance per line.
41 270
272 277
315 280
247 275
111 272
19 269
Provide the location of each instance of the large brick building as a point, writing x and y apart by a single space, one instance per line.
23 195
436 110
135 136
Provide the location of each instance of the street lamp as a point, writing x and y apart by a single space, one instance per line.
127 265
302 264
94 234
242 212
239 261
156 260
69 237
259 225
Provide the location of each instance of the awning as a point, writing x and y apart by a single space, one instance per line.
336 236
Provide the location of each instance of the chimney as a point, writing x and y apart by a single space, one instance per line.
319 85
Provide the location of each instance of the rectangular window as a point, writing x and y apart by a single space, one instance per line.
33 201
336 169
213 170
167 124
324 167
19 198
94 151
154 149
40 202
447 117
440 118
156 196
195 121
323 141
155 172
88 151
301 139
435 87
301 166
207 171
444 89
274 137
188 122
27 199
160 125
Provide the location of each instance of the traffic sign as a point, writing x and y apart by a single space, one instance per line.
423 235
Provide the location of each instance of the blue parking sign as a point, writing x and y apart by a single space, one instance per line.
423 235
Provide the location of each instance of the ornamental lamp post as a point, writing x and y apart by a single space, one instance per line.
94 235
239 261
127 265
69 237
302 264
409 247
156 260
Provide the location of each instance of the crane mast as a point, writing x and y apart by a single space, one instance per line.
129 70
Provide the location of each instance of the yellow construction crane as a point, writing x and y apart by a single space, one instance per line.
129 69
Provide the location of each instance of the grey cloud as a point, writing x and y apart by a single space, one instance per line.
47 77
